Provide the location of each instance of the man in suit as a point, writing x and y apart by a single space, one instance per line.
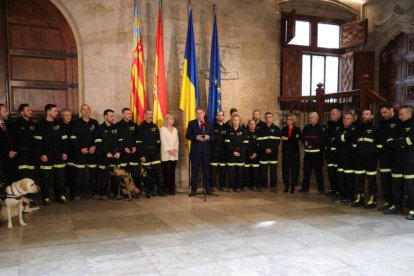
7 152
201 135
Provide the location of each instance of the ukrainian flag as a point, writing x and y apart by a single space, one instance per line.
189 97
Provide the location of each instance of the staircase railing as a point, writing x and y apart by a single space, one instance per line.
359 99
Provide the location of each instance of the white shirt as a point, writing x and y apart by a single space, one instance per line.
169 141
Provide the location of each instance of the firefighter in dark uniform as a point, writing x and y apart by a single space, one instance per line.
148 149
345 143
52 146
268 140
386 130
290 153
129 133
256 118
252 165
23 133
233 111
366 161
218 156
235 143
331 154
7 150
83 147
403 163
313 138
66 122
108 149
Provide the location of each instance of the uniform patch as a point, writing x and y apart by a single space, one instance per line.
132 128
92 128
153 129
32 127
114 131
56 127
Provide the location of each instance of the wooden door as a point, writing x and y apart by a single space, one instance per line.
40 57
397 70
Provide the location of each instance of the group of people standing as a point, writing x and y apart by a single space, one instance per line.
75 155
78 154
352 148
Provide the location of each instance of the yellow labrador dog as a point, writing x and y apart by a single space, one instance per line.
13 204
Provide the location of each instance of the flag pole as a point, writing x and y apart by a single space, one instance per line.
189 156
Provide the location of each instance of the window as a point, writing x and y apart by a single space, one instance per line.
319 68
328 36
310 54
302 33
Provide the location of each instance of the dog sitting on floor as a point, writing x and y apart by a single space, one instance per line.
124 182
14 203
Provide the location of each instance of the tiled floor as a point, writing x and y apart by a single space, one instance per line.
233 234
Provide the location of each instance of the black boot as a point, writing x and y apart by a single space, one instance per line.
393 210
359 201
372 202
410 215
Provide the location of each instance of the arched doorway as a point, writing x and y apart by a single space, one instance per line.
397 70
39 64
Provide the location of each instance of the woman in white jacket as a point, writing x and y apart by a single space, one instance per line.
169 152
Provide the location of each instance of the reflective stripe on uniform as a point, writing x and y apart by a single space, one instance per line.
214 164
102 167
348 171
64 137
365 139
42 167
371 172
227 141
385 170
235 164
312 150
92 166
133 163
156 162
79 166
123 164
397 175
245 142
98 140
359 171
408 176
332 165
268 162
73 137
222 164
408 139
343 137
354 145
333 148
70 164
390 139
25 167
379 146
340 170
59 166
37 137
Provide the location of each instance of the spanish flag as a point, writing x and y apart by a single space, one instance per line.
189 97
159 89
138 95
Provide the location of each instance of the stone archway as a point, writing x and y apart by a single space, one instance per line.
41 61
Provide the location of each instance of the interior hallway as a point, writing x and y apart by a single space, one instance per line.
233 234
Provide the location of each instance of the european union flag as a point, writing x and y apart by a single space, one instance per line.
214 93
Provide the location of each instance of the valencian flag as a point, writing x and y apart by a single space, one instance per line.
159 88
214 93
138 95
189 97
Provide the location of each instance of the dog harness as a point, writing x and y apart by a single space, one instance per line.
18 195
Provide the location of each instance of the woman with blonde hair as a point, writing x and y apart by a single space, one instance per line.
169 152
235 143
290 153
